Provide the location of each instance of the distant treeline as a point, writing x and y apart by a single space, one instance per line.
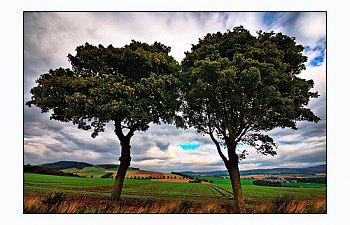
43 170
180 174
192 178
153 177
319 180
267 183
107 175
183 175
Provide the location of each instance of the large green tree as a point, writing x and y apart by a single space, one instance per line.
131 86
237 86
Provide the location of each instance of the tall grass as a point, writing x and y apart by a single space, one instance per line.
287 205
58 203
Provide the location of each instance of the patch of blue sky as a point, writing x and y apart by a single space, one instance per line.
319 59
189 146
270 17
321 47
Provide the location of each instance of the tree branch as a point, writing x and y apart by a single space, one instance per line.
127 127
132 130
118 130
242 133
223 157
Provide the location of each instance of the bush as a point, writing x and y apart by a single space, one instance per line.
318 180
107 175
267 183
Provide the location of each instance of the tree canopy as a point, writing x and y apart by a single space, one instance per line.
133 85
238 86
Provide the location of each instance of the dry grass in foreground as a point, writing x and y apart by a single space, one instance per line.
285 205
57 203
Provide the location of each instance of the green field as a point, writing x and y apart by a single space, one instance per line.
154 190
88 171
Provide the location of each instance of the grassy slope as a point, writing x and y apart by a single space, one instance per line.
87 171
98 171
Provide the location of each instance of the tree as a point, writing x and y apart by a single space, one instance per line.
131 86
237 86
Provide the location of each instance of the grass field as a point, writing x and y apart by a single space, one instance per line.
92 195
97 172
88 171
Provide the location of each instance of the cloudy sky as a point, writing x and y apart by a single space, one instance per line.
50 37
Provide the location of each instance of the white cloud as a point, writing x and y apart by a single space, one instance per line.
251 21
50 37
311 27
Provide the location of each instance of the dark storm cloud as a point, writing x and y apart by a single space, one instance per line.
140 143
317 157
88 144
302 153
49 37
36 123
43 35
305 129
288 142
162 146
216 164
32 158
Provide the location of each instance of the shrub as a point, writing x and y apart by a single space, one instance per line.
107 175
267 183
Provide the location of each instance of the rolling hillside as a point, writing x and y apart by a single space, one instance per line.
96 171
276 171
87 169
61 165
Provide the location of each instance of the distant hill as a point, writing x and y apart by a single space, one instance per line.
112 166
318 169
44 170
102 170
107 166
62 165
307 170
210 173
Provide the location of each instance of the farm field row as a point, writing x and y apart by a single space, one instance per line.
98 187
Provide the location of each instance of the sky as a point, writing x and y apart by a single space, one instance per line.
49 37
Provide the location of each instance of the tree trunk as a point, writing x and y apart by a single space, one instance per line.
125 160
233 170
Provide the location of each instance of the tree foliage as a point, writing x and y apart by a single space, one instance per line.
133 86
238 86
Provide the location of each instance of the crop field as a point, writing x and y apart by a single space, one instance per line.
97 172
88 171
95 192
38 183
